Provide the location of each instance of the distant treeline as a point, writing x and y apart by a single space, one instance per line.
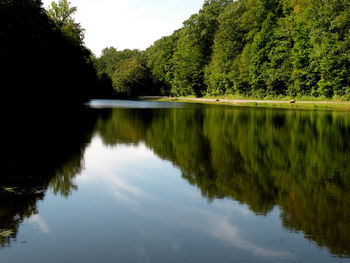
255 48
245 47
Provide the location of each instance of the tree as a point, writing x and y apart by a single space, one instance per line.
39 60
194 49
62 14
161 63
131 77
126 70
252 47
230 39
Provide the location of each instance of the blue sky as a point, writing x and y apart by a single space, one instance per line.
130 23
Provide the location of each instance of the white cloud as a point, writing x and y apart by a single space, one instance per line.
40 223
119 167
224 230
120 162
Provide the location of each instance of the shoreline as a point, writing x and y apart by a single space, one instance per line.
309 105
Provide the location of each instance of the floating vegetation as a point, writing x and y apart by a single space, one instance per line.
6 233
9 189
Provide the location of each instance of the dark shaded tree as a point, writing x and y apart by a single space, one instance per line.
40 61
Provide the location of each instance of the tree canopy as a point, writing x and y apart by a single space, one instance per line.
253 48
62 14
258 48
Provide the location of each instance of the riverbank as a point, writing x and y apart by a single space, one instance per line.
311 105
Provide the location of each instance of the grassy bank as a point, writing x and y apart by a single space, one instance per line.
277 98
266 103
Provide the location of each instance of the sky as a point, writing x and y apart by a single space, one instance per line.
130 23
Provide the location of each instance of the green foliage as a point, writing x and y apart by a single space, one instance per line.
331 46
131 77
194 49
188 71
243 47
62 14
160 62
228 45
260 48
110 59
127 71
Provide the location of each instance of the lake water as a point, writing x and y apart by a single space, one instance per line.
129 181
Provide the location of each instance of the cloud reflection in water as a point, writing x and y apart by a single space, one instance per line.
124 170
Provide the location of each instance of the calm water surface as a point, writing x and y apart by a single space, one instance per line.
161 182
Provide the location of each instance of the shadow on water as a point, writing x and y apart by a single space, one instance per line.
45 74
296 160
41 150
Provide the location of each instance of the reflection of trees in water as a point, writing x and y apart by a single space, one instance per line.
13 210
263 158
41 153
298 160
42 68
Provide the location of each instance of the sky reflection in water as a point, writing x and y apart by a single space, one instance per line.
133 206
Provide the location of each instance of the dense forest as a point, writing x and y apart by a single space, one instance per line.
257 48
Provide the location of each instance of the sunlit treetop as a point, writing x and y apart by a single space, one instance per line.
61 14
